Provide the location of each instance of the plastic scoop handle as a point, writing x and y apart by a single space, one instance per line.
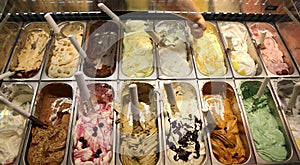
52 23
295 93
84 91
170 93
262 87
229 41
77 46
156 38
6 74
134 101
112 15
262 36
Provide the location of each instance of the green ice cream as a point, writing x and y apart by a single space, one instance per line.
268 138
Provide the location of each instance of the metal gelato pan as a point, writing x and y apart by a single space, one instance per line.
138 137
13 127
102 48
137 52
53 106
228 134
174 56
284 89
28 56
209 55
273 52
289 31
63 59
184 131
93 129
269 138
8 36
242 54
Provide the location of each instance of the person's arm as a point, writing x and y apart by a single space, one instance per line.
187 9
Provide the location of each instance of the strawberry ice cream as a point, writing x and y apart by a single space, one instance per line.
93 132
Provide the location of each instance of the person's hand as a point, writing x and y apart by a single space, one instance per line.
198 28
201 23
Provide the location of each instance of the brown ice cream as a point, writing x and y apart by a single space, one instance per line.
101 49
290 32
47 146
29 54
228 137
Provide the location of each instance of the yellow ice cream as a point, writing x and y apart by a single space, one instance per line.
137 56
209 53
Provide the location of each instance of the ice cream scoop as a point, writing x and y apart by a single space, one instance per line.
79 49
156 38
172 100
260 91
84 92
23 112
229 42
112 15
52 23
134 101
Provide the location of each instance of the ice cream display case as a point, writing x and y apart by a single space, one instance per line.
157 95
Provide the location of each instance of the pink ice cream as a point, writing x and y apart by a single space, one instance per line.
93 132
271 51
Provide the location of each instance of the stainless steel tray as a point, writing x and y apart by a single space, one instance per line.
292 71
108 84
23 44
286 85
290 29
239 42
175 60
137 60
276 116
32 86
28 138
8 33
152 99
222 89
211 29
62 39
102 46
181 87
